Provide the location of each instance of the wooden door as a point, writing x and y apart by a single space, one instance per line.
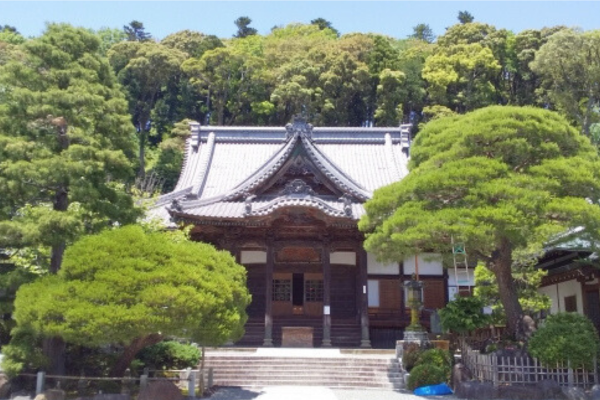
313 294
282 293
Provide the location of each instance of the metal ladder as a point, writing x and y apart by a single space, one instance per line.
459 254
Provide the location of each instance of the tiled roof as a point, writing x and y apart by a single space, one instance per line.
223 165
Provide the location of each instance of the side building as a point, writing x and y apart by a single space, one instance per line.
286 202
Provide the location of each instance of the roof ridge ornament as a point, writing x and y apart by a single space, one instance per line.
347 200
299 127
248 198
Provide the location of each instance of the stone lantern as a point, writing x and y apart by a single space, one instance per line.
414 332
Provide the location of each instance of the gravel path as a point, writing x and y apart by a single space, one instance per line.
315 393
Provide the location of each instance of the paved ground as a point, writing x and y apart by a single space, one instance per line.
314 393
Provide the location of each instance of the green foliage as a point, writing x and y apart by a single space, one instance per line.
460 76
65 142
170 157
423 32
433 366
145 69
465 17
322 23
437 357
569 65
410 355
244 29
566 337
426 374
191 42
169 355
11 278
24 352
503 180
464 314
109 37
527 279
135 31
125 286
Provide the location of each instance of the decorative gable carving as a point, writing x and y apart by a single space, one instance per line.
297 186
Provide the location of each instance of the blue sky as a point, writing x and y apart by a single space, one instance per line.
393 18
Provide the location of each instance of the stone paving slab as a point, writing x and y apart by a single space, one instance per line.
316 393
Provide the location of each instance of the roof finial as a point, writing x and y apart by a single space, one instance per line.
299 127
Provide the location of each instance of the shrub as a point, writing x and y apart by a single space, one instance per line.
169 355
426 374
565 337
23 353
464 314
410 355
439 358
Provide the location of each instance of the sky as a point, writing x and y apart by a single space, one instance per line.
392 18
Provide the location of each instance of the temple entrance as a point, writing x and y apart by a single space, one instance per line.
298 293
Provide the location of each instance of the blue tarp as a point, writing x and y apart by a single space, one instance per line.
433 390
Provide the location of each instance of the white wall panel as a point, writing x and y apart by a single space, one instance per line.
429 264
253 257
343 257
374 267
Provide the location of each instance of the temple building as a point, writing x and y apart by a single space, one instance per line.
286 202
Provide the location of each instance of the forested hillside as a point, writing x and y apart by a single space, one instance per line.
357 79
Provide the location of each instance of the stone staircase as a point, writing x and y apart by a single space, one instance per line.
333 368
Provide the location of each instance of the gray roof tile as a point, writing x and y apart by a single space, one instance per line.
221 163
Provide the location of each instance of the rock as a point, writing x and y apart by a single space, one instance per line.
520 392
460 373
475 390
550 389
20 396
528 325
575 393
51 394
160 390
106 396
111 396
595 392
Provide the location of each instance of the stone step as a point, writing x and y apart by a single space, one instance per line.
305 360
288 367
330 374
350 384
350 369
219 369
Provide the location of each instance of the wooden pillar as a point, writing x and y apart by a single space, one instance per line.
365 341
268 340
326 295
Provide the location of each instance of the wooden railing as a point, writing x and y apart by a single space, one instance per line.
501 370
194 381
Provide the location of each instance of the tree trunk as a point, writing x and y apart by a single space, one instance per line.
130 352
57 256
142 153
587 120
54 349
518 325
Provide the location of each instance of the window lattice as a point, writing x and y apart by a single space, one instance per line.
282 290
313 290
